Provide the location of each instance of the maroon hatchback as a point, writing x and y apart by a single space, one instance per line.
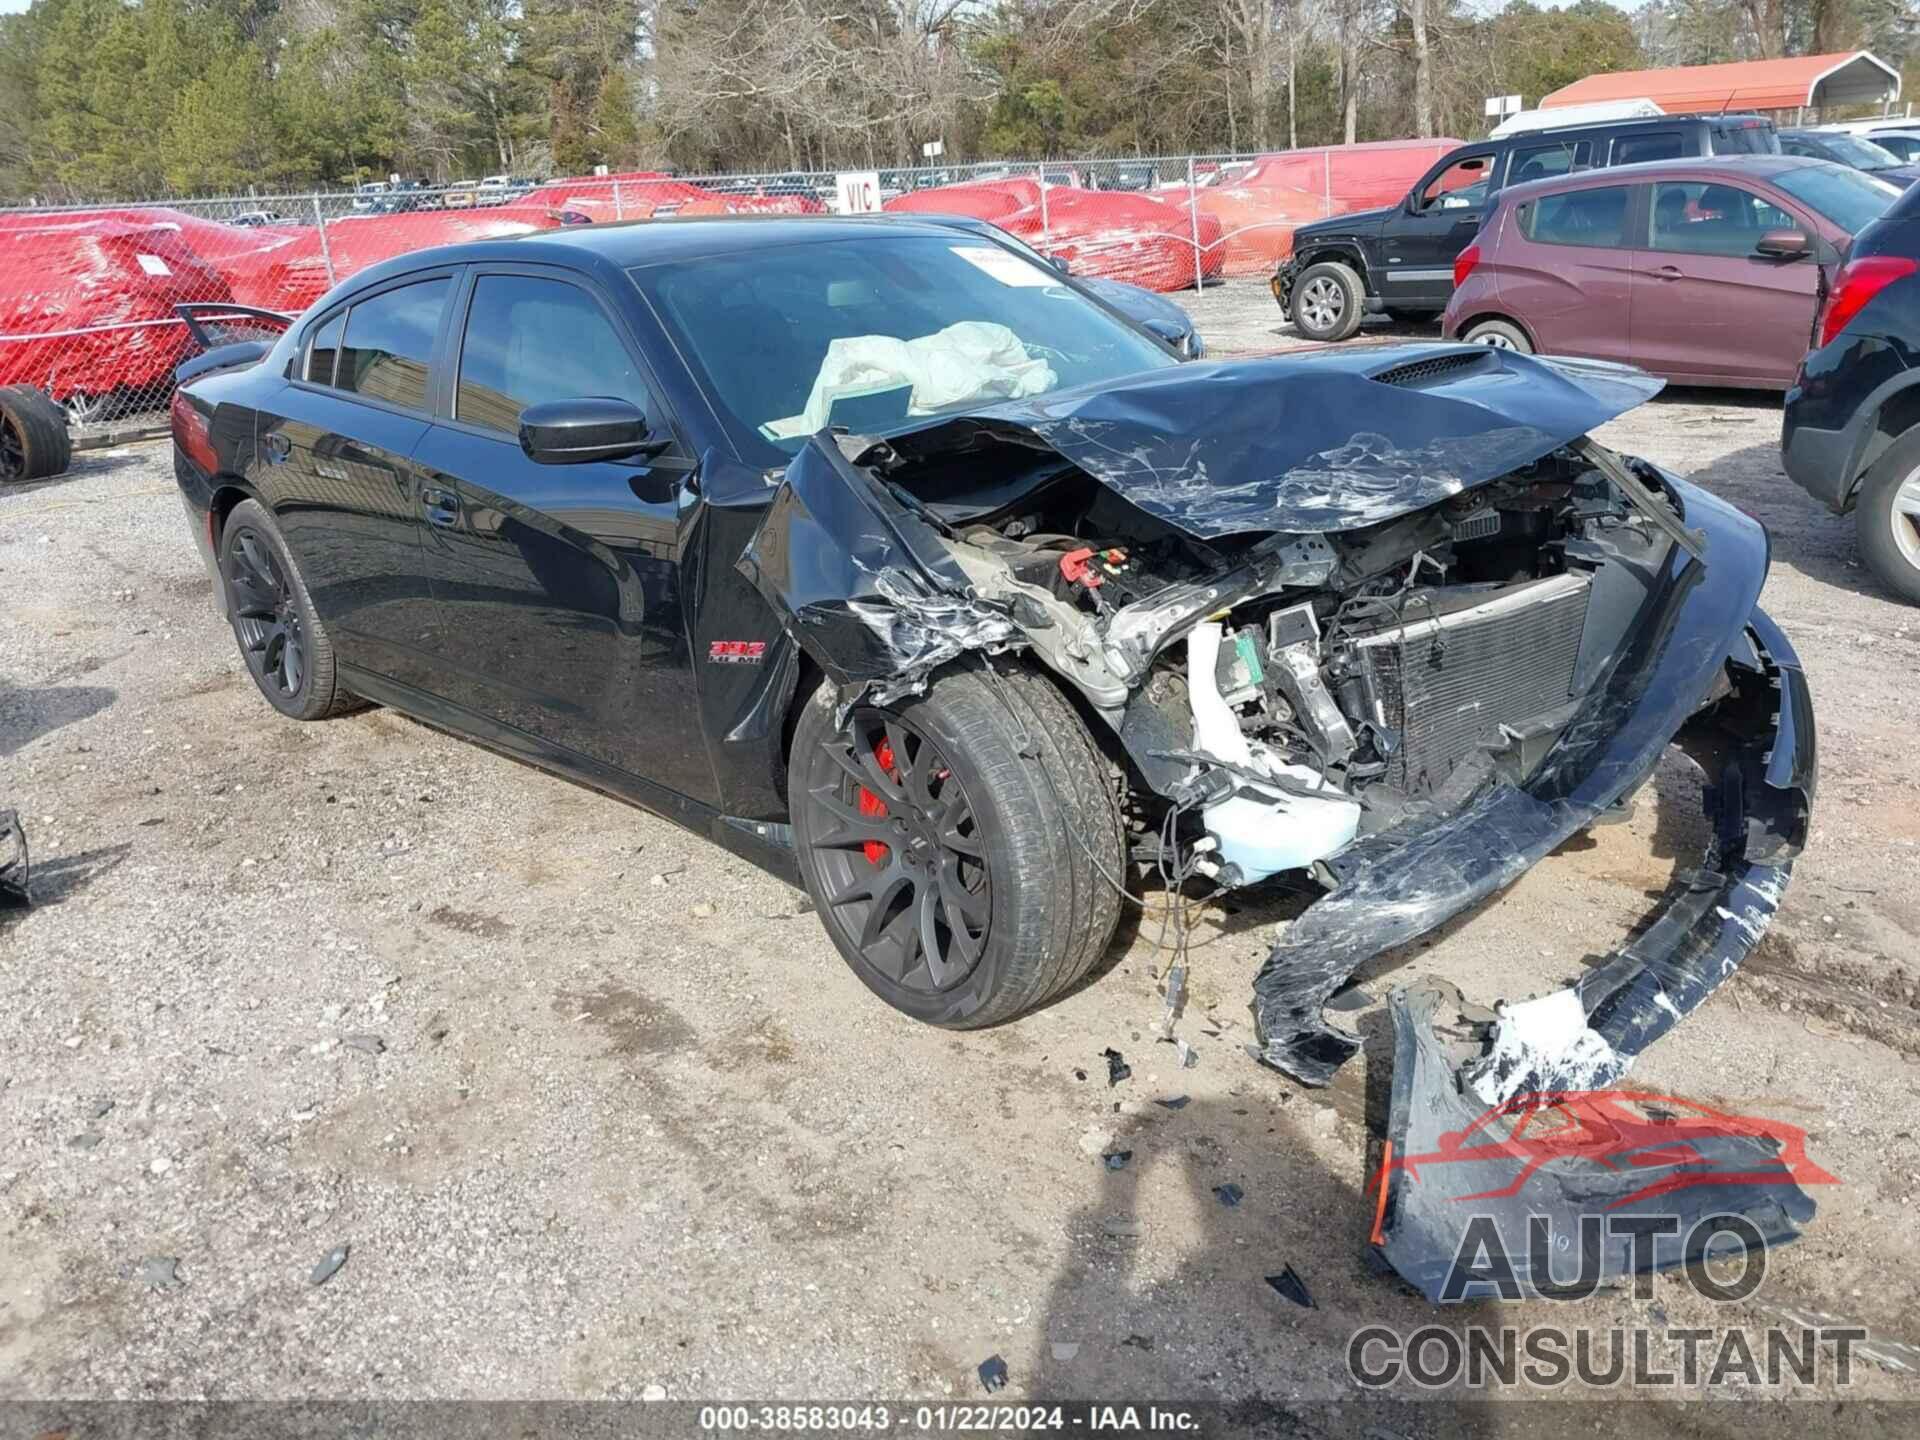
1704 271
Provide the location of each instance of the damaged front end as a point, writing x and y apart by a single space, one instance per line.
1385 618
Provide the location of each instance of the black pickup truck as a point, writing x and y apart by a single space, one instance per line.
1400 260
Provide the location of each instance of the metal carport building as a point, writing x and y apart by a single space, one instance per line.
1796 83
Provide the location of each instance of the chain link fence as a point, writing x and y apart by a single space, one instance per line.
88 292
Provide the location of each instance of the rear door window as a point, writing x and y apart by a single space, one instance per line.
1580 217
1711 219
1544 162
389 343
1646 145
1744 139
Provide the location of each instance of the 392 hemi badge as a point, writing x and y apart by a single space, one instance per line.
736 652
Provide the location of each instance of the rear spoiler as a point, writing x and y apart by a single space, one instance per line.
217 354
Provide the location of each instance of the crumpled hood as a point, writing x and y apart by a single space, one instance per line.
1310 443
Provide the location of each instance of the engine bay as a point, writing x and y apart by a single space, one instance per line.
1280 695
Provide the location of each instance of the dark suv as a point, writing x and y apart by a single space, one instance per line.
1851 437
1400 260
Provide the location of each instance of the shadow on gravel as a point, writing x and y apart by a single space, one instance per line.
84 467
1162 1269
1806 535
63 876
27 714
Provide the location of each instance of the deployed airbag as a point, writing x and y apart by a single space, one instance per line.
969 361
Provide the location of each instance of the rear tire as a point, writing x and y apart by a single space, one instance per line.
285 646
1327 301
1498 335
976 818
1887 517
34 444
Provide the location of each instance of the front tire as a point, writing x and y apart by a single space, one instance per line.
1888 517
954 844
1328 301
285 646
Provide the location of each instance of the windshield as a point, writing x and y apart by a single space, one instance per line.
874 333
1861 154
1848 198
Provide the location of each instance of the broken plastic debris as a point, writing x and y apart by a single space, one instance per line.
1289 1286
1189 1057
1117 1159
1546 1037
1178 1102
329 1265
1229 1194
160 1272
1065 1349
1117 1067
993 1373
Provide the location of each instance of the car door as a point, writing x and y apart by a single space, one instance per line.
558 587
336 465
1433 225
1565 270
1707 307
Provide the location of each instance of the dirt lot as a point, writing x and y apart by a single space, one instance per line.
599 1110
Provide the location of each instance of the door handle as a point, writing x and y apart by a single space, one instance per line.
278 445
1670 272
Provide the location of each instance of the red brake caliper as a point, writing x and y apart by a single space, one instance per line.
873 807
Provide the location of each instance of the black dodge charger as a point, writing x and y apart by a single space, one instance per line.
894 560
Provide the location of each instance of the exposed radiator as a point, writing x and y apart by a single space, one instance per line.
1453 677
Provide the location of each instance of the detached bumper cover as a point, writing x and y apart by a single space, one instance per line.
1395 887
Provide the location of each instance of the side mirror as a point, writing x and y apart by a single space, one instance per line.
594 427
1062 264
1784 244
1166 330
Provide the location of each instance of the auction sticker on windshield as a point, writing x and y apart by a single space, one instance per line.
1007 269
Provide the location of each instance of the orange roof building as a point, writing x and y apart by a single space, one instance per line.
1848 78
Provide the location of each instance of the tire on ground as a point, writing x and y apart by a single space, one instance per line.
1503 334
320 695
1353 300
1875 518
1048 804
38 427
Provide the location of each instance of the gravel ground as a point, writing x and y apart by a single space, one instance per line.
597 1109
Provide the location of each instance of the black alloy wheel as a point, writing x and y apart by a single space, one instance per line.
266 614
900 856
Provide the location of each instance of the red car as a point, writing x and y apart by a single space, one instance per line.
1704 271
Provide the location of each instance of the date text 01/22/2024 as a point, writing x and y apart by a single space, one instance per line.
1088 1417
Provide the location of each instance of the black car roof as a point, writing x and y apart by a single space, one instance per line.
1635 122
624 244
